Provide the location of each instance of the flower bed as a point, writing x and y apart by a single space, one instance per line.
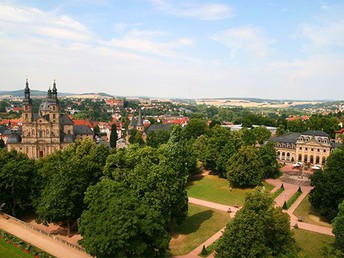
25 247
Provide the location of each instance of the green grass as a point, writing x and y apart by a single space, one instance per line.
277 193
214 189
311 242
293 199
9 250
309 214
201 224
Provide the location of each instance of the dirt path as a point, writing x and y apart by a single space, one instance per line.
41 241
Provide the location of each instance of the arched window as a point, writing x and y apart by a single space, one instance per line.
300 158
311 159
323 160
283 155
305 158
288 156
317 159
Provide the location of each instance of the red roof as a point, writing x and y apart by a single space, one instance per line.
82 122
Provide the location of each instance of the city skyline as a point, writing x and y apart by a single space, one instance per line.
185 49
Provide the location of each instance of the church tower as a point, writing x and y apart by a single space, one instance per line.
54 106
27 113
140 126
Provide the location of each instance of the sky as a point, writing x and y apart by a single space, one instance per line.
175 48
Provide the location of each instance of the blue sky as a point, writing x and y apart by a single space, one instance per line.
191 49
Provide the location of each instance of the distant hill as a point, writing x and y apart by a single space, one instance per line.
33 93
41 93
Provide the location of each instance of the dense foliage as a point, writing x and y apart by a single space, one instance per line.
65 177
245 167
258 230
328 190
17 174
144 193
338 227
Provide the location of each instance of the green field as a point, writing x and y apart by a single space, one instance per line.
214 189
201 224
309 214
311 242
9 250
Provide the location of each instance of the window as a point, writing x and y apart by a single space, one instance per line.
306 148
54 116
324 150
318 150
312 149
26 116
300 148
40 134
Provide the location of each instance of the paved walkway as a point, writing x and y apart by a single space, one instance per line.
41 241
285 195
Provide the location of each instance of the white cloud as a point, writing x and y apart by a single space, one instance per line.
28 21
327 35
194 9
246 38
150 42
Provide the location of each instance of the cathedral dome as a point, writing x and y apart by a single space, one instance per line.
14 138
44 106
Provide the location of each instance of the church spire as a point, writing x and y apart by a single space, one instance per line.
140 121
27 98
49 93
54 90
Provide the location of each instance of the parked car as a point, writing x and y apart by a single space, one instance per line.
297 164
316 167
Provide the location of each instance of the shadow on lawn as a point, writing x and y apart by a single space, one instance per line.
192 223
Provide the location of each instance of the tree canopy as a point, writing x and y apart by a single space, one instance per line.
258 230
17 173
245 167
338 227
65 177
328 191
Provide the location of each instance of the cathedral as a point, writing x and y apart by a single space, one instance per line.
47 131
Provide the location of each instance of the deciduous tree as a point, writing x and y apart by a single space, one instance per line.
245 168
258 230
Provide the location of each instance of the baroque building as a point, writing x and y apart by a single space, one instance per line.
47 131
311 146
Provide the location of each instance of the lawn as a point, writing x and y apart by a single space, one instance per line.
9 250
309 214
201 224
311 242
214 189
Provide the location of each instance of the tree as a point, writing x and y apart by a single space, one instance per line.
328 191
66 176
258 230
156 138
261 133
267 154
2 143
195 128
338 227
17 173
245 168
113 136
96 130
124 226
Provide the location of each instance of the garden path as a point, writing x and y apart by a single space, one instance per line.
39 240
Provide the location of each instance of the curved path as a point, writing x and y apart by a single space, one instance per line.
279 200
41 241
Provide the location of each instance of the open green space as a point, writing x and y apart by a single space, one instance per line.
311 242
201 224
309 214
9 250
214 189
